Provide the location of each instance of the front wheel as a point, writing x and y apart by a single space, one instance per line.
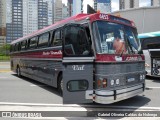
155 71
60 85
18 71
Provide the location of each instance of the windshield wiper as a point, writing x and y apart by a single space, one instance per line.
130 46
121 53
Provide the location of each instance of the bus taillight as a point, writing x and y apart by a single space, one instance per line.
104 83
99 83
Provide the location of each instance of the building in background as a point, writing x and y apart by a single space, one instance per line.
104 6
14 28
2 22
65 11
42 14
77 7
30 18
155 2
70 7
127 4
22 17
45 13
147 20
57 10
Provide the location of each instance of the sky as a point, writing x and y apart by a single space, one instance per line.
115 4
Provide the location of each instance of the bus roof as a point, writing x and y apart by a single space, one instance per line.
79 17
149 35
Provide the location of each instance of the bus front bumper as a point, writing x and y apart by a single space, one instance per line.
107 97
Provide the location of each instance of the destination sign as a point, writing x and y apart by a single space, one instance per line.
120 20
114 18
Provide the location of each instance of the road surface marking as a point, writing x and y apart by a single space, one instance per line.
2 77
80 106
153 87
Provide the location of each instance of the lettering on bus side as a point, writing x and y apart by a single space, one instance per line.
78 67
131 58
53 53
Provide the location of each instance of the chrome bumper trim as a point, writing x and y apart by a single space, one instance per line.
103 98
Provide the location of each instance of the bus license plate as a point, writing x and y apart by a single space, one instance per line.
131 79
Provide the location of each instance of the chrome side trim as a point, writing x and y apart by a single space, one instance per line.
110 99
121 73
129 94
104 92
89 94
153 49
129 89
56 59
78 59
107 97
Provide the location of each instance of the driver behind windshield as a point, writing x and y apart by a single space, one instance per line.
119 43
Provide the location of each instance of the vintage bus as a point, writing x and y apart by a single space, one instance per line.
88 57
150 43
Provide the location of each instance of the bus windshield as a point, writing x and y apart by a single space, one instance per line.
114 38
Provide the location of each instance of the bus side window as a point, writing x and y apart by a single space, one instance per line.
57 38
86 26
12 48
43 40
32 43
23 45
76 41
16 47
19 46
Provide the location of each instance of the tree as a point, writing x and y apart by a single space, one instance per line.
4 49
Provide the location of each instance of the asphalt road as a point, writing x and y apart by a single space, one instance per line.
25 90
21 92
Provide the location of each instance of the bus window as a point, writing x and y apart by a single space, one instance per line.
16 47
32 43
57 38
77 85
12 48
23 45
76 41
43 40
19 46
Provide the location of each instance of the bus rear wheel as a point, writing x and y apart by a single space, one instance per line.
60 85
18 70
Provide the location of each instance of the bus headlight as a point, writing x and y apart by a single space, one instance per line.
102 82
112 82
117 81
142 77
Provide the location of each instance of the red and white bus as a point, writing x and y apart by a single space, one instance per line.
91 58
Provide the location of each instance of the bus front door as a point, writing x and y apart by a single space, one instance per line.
77 65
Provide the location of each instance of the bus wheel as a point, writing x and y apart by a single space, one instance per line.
18 71
155 72
60 85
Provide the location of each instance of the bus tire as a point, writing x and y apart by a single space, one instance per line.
60 84
18 70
